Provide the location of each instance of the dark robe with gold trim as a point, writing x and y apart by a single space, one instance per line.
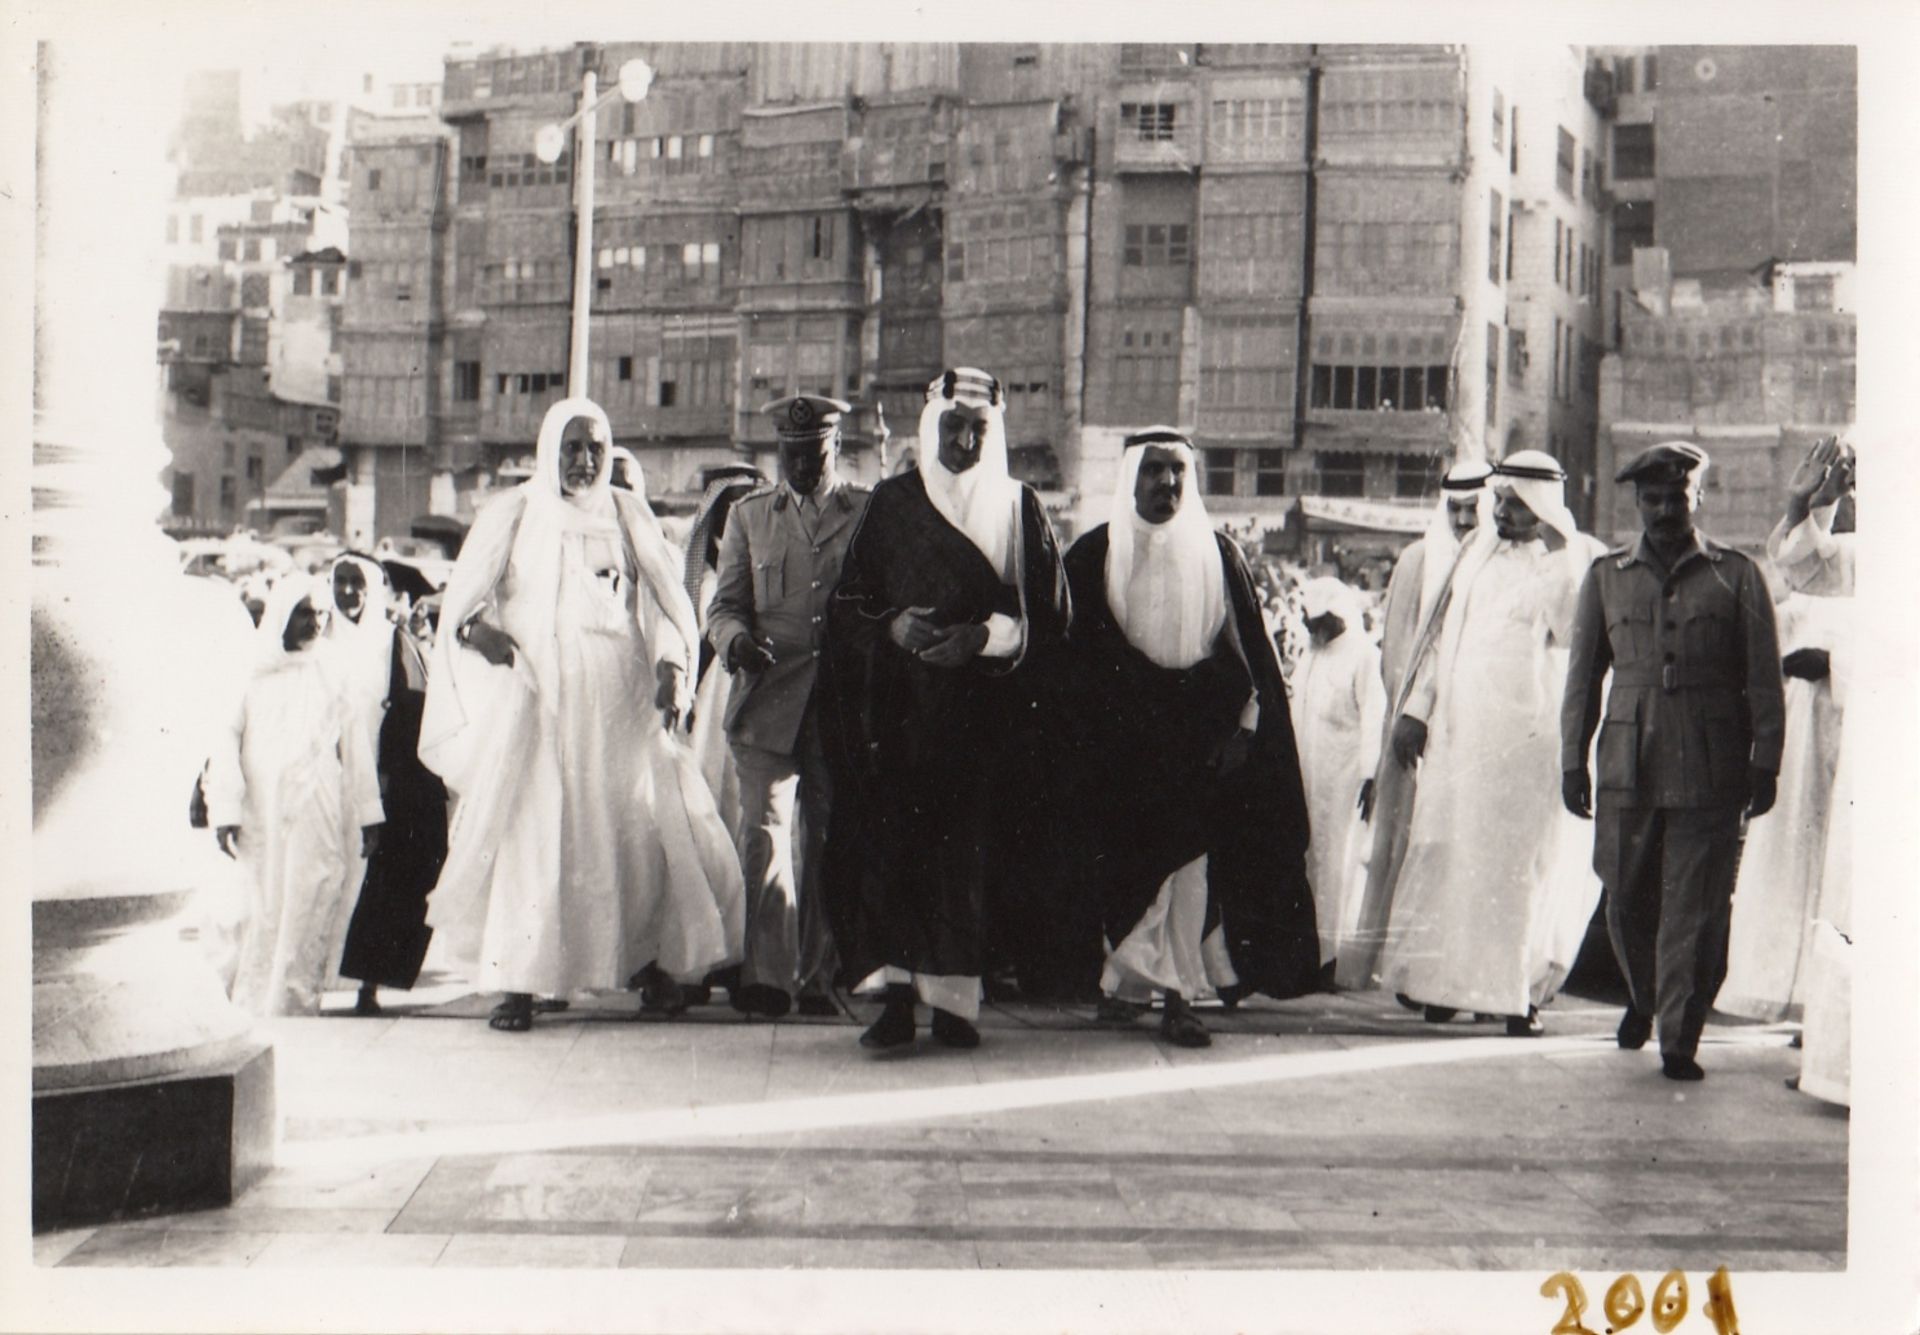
935 788
1141 794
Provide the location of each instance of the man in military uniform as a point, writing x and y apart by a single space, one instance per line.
1691 739
779 563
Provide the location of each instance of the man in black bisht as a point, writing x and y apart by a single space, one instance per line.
951 599
1185 819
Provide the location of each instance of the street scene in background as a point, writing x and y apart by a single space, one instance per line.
982 656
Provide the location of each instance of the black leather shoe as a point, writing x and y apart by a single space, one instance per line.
1406 1001
1635 1029
816 1004
1181 1027
954 1031
1681 1068
894 1028
761 999
1529 1025
1437 1014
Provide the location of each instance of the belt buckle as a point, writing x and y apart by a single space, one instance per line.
1667 677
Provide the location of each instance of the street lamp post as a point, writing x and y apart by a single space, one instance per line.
636 77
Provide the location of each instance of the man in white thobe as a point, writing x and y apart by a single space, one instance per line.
1812 547
1339 708
1482 720
1418 586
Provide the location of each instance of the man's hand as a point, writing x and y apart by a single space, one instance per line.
745 652
1409 740
490 642
1233 752
1576 793
369 840
913 629
1839 481
1761 788
228 837
956 646
1807 665
666 693
1366 800
1811 477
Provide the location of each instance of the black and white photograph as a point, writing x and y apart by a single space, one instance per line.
916 669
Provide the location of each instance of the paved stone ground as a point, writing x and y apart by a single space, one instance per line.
1324 1133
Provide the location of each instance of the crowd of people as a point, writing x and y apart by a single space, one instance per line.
897 744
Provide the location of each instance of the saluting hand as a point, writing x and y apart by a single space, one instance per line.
1813 470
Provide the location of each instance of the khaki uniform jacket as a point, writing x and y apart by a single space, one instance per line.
1697 698
774 582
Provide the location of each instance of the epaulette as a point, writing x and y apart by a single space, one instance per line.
759 493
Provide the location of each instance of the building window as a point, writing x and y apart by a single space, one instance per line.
1496 207
1632 228
1416 477
1563 163
821 240
1499 121
183 493
1269 473
669 392
229 494
1517 356
1650 71
303 282
1147 369
466 382
1559 243
194 229
1340 473
1151 121
373 178
1157 243
1623 72
1813 294
1407 389
1493 374
1513 143
1587 185
1633 153
1217 479
173 237
625 368
1554 372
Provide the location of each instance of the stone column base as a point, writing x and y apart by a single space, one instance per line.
190 1140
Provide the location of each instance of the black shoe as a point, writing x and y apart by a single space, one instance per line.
1406 1001
1437 1014
1529 1025
1181 1027
1327 971
1232 994
761 999
367 1003
895 1025
697 994
1676 1067
1118 1010
954 1031
816 1004
1796 1041
1634 1031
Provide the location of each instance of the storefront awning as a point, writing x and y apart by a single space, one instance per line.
1336 512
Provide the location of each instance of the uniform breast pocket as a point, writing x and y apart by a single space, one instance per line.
769 582
1618 755
1630 632
1707 636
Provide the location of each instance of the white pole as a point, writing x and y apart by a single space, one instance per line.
583 237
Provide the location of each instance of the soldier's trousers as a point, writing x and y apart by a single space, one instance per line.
1669 874
784 801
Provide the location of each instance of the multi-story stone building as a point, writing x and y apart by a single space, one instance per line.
1336 266
1734 180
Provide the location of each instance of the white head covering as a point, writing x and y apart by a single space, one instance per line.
269 637
539 549
363 649
984 501
1466 480
1327 594
1165 583
1537 478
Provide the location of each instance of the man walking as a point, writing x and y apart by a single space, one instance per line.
1692 738
952 591
779 562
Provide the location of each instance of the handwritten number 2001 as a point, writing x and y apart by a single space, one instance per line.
1626 1302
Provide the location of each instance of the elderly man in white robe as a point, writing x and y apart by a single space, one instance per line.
1482 720
1339 707
1813 548
585 848
292 795
1409 619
